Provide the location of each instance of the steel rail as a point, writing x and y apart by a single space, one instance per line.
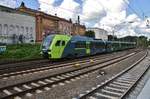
104 84
56 82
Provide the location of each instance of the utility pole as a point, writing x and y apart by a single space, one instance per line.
78 23
113 34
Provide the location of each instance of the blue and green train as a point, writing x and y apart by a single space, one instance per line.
65 46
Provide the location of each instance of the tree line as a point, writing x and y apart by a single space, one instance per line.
141 41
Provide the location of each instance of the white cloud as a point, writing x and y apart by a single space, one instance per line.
108 14
68 9
8 3
92 10
47 6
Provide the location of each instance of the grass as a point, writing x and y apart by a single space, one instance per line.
21 52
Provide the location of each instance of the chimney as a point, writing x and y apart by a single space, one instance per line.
22 5
78 20
70 20
55 14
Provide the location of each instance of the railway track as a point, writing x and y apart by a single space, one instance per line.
61 66
29 87
119 86
28 65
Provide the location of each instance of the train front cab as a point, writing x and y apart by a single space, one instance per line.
53 46
45 47
58 46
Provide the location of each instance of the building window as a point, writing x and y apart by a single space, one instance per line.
17 30
31 33
22 30
5 29
31 30
11 29
27 32
0 29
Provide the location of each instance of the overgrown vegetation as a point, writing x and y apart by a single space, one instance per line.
141 41
21 52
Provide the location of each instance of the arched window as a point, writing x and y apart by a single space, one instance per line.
27 32
17 30
5 31
11 30
22 30
31 30
31 33
0 29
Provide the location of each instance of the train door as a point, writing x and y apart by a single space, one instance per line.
88 48
57 48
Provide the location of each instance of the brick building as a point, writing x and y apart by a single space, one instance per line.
48 24
45 24
78 29
33 24
65 26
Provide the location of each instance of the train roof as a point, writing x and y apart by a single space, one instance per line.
81 38
120 42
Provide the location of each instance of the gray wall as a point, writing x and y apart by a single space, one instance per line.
16 28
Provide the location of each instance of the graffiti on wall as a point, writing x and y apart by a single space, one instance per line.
16 34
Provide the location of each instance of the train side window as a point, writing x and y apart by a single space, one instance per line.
63 43
80 45
58 43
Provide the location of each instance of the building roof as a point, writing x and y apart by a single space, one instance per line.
28 11
7 9
42 13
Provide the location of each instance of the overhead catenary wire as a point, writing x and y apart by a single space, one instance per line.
131 8
58 7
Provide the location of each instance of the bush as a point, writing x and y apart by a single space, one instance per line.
21 52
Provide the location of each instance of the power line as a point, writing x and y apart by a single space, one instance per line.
131 8
58 7
143 14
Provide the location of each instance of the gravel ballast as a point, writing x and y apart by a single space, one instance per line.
74 88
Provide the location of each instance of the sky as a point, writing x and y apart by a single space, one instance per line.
124 17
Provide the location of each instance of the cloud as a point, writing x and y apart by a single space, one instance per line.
107 14
92 10
47 6
68 9
8 3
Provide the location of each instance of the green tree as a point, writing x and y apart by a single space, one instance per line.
90 33
111 38
142 41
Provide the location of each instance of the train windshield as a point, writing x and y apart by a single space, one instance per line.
47 41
